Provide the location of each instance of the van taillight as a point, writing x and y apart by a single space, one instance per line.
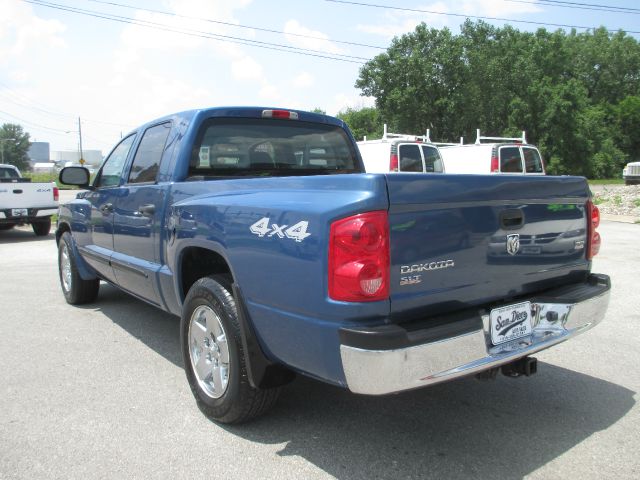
359 258
495 164
56 194
393 163
593 237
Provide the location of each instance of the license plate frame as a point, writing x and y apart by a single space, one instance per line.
19 212
510 322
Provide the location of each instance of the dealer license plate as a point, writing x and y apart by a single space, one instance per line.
510 322
19 212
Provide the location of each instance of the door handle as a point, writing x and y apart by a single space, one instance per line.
107 208
147 210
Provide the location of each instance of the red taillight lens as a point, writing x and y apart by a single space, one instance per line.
56 194
393 163
495 165
359 258
593 237
280 114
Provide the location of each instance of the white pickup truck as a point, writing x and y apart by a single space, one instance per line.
24 202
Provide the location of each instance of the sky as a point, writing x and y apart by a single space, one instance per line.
116 64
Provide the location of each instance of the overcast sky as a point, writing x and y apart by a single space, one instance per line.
61 59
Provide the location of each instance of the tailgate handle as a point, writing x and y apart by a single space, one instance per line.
511 219
17 191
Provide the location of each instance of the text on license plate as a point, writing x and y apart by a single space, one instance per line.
19 212
510 322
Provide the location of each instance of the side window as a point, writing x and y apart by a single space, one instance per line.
112 168
510 161
147 160
410 158
432 160
532 160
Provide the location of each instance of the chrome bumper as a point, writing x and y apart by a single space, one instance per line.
378 372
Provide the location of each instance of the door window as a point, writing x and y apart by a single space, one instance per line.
410 158
510 160
432 160
113 166
147 160
532 160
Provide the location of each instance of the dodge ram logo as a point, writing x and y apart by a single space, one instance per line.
513 243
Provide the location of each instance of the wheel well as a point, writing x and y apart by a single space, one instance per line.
197 263
63 227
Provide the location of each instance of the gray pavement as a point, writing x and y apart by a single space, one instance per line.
99 392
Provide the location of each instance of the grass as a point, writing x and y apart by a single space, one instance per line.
636 202
617 200
599 200
607 181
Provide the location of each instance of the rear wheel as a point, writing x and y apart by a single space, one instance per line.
214 360
76 290
42 227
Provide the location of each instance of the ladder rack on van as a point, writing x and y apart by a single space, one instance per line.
402 136
479 138
427 139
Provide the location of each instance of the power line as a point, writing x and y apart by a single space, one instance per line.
461 15
237 25
200 34
581 6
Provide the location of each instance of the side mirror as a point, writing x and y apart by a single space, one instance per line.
75 176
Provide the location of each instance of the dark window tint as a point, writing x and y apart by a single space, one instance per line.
8 173
432 160
147 160
510 161
113 166
270 147
410 158
532 160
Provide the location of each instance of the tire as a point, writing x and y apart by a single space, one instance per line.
42 227
7 226
76 290
214 360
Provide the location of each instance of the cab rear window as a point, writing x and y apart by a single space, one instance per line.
263 147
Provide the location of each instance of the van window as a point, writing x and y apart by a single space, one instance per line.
410 158
510 161
532 160
432 160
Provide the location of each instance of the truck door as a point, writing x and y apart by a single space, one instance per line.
138 218
99 248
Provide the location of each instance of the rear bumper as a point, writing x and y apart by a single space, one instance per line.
33 214
387 359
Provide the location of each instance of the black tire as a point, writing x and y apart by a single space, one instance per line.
76 290
237 401
7 226
42 227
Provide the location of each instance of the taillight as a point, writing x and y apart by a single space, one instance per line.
593 237
495 164
359 258
56 194
280 114
393 163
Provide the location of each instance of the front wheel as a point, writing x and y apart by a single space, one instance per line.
76 290
42 227
214 360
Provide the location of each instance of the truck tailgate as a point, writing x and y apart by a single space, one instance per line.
458 241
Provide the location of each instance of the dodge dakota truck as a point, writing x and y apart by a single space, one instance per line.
259 228
23 202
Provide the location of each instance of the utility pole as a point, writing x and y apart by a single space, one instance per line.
80 135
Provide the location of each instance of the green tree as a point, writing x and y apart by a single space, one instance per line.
365 122
14 145
319 110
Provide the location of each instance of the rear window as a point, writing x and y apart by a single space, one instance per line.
410 158
532 160
432 160
510 160
240 147
8 173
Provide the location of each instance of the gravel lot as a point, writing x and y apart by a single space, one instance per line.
99 392
618 199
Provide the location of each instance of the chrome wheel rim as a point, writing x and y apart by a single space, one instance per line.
209 351
65 269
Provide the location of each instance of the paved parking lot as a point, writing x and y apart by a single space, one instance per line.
99 392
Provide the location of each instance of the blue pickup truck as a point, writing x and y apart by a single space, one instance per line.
260 229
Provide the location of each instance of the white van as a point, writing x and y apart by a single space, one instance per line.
400 153
506 155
